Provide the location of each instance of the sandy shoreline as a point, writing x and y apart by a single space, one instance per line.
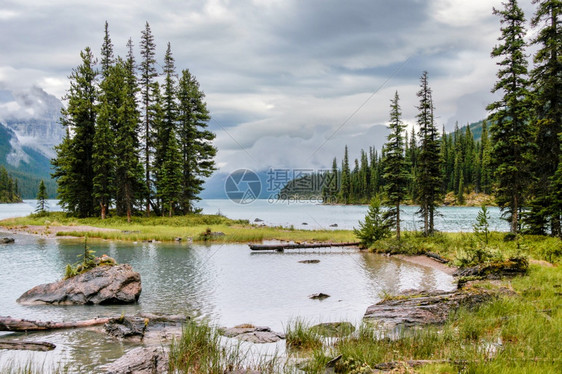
427 261
53 231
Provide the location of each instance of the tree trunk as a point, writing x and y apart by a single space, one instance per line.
29 346
514 215
103 208
16 324
398 222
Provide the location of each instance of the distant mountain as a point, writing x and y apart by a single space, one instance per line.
29 130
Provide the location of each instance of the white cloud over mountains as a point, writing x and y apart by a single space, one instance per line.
281 77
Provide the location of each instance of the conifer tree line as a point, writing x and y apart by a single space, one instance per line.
517 158
9 190
136 137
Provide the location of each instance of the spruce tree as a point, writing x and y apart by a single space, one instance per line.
73 164
107 58
395 174
546 79
148 85
42 205
345 189
510 130
129 167
428 178
375 227
170 188
168 122
104 152
195 145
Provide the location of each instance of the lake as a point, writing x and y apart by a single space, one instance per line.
227 284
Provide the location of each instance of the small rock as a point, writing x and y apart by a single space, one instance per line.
7 240
178 239
127 327
253 334
318 296
217 234
304 224
258 220
309 261
334 225
140 361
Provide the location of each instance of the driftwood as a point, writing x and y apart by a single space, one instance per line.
16 324
30 346
282 247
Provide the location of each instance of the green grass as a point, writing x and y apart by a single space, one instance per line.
202 350
455 246
300 336
170 228
514 333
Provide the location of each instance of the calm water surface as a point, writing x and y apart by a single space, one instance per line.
228 284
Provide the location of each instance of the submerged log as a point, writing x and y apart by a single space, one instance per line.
16 324
28 346
282 247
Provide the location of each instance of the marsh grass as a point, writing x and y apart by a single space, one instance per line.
466 247
202 350
30 367
518 332
300 336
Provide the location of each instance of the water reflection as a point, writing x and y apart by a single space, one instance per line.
228 284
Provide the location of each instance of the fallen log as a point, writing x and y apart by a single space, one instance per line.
16 324
29 346
282 247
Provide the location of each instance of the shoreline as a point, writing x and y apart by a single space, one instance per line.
427 261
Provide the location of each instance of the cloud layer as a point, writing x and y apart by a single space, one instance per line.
288 82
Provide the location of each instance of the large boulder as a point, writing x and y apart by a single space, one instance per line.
102 285
140 360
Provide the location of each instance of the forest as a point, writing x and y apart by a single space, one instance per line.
517 158
9 189
137 139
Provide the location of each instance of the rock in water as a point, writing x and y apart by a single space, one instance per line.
7 240
102 285
253 334
140 361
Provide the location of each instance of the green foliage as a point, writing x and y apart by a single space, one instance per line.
395 173
42 206
375 227
300 336
428 178
510 116
8 187
73 165
99 164
482 225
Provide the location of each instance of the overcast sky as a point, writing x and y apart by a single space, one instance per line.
288 82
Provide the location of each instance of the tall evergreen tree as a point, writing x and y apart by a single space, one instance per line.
170 189
429 169
195 145
169 111
148 85
510 130
546 79
345 189
73 165
107 58
104 149
42 197
395 173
